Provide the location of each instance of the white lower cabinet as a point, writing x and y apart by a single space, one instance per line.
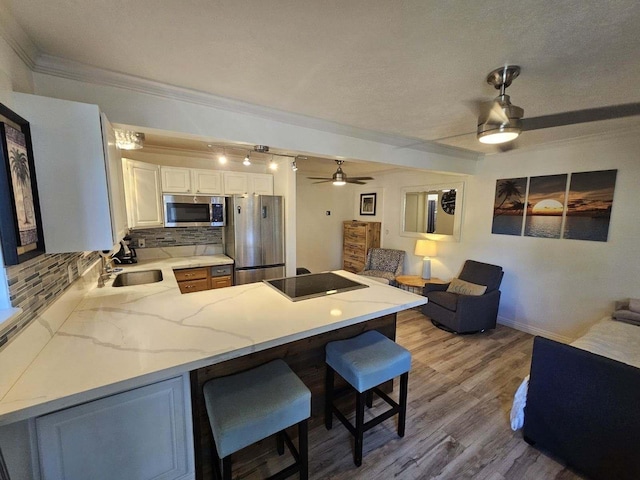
141 434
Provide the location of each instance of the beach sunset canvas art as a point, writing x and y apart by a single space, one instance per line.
509 205
589 205
545 206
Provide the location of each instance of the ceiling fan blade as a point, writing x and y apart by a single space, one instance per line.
581 116
320 178
360 178
324 181
355 182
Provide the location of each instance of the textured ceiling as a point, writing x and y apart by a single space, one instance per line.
413 68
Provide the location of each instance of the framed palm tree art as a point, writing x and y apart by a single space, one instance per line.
20 221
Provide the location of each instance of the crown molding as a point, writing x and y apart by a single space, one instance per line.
60 67
16 37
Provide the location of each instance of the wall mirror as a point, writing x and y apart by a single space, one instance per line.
432 211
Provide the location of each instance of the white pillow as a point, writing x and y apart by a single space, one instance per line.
634 305
466 288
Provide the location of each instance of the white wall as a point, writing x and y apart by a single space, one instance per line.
553 285
319 236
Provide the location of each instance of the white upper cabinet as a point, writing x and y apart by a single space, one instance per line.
238 183
144 194
76 179
206 181
176 180
235 183
115 181
260 183
191 180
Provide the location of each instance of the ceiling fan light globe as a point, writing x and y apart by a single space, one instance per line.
339 183
495 137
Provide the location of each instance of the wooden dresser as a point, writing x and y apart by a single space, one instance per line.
358 238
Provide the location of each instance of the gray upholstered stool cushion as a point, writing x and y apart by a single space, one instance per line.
368 360
252 405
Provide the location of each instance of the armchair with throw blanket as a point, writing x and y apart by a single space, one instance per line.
468 303
383 265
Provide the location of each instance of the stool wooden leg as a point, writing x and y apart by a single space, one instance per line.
402 414
328 399
226 468
357 453
303 449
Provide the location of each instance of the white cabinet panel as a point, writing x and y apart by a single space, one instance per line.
144 195
235 183
206 181
115 181
238 183
69 158
136 435
176 180
260 184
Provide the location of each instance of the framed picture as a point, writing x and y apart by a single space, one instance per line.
367 204
20 221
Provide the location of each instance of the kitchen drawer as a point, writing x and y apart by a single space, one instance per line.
190 286
221 282
191 274
221 271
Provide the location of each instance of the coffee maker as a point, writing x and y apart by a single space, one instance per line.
126 254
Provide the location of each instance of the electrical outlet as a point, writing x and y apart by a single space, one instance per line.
141 242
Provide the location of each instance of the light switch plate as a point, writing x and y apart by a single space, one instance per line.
141 242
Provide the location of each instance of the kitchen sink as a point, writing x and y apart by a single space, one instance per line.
137 278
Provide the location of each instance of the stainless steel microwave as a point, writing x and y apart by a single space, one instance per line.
193 211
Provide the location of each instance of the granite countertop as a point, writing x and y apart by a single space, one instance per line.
122 338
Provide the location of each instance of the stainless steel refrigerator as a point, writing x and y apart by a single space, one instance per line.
254 237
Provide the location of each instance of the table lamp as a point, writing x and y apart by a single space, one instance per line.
426 249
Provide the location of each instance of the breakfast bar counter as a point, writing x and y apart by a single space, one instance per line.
118 339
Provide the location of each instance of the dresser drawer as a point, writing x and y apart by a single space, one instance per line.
352 250
191 274
355 234
190 286
353 266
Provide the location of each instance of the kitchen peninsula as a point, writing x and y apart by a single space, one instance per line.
120 339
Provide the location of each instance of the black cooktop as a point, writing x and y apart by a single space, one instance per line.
313 285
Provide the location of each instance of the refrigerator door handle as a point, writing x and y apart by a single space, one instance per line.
264 212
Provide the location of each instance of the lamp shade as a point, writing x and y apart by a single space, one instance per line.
425 248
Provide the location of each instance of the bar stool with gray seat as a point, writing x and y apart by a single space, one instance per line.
249 406
366 362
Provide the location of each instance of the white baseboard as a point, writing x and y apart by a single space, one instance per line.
523 327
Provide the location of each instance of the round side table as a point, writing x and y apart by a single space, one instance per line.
415 283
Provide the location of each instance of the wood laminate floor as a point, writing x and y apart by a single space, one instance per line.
460 392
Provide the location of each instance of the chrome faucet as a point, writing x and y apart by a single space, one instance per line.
105 272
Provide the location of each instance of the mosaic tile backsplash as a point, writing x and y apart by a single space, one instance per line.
36 284
173 237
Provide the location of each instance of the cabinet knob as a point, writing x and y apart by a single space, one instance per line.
189 286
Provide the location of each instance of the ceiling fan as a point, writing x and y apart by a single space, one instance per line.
500 121
340 178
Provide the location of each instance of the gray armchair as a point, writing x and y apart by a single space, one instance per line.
459 313
383 265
